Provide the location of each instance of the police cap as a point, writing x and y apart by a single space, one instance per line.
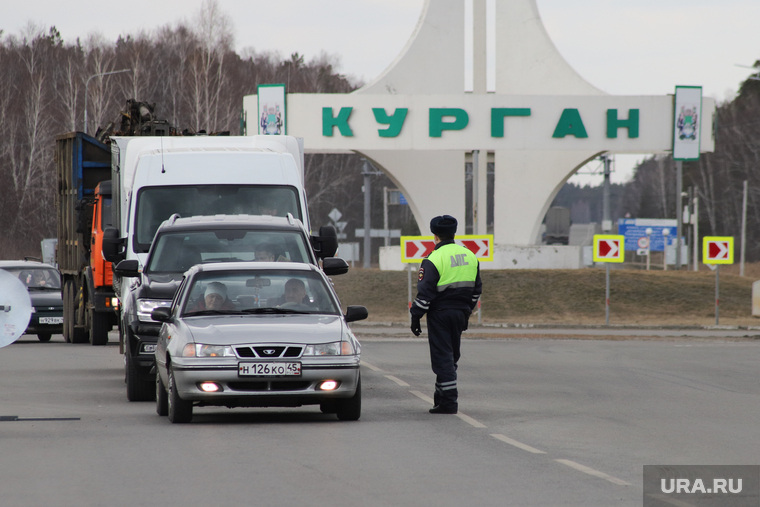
444 226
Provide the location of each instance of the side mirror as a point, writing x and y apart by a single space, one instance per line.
334 266
129 268
161 314
326 244
113 245
354 313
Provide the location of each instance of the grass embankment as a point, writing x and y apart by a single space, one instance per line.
575 297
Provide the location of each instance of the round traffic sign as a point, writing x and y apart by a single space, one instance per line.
643 242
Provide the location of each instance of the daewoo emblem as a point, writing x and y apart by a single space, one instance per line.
269 352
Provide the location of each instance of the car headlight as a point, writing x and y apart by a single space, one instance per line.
203 350
145 306
342 348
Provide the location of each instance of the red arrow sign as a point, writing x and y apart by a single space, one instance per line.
418 248
480 247
608 248
718 250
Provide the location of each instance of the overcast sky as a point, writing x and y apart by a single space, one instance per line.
623 47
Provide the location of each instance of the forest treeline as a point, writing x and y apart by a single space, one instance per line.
198 81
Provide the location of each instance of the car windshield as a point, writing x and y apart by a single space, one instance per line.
259 292
176 252
156 204
37 277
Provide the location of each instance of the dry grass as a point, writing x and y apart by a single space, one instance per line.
575 297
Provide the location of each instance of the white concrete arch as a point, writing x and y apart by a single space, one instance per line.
542 122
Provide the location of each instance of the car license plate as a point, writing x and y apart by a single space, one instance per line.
273 369
51 320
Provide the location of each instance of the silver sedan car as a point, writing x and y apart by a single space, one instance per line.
268 334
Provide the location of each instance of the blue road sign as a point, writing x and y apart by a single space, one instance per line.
635 228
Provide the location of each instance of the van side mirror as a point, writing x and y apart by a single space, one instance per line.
326 244
113 245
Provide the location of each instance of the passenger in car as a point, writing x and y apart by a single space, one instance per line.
214 298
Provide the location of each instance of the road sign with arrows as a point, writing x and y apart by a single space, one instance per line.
609 248
718 250
415 248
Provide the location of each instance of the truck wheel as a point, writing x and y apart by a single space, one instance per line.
162 397
68 312
350 409
99 328
139 383
180 411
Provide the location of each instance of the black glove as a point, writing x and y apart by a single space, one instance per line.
416 327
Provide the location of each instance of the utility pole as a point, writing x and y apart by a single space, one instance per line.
606 220
679 210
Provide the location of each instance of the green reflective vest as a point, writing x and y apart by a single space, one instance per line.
457 266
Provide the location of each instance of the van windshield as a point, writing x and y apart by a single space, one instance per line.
156 204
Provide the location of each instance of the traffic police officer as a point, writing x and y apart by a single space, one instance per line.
448 289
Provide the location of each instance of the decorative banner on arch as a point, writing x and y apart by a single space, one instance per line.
687 119
415 248
272 119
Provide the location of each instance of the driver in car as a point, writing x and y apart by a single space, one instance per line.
295 292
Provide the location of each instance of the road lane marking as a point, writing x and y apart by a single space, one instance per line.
397 380
591 471
466 418
423 397
469 420
371 366
515 443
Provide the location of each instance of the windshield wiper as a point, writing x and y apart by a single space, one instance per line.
209 312
272 310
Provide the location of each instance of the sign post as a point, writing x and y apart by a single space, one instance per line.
717 250
608 248
414 249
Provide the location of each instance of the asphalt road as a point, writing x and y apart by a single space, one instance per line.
546 419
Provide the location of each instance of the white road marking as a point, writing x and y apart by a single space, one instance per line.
591 471
519 445
397 380
371 366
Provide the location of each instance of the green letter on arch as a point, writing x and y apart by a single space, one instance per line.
395 121
437 125
570 124
341 121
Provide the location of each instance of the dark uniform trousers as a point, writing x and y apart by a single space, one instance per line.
444 336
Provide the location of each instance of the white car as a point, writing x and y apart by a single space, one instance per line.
257 335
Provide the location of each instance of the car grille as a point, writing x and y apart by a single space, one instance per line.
272 385
268 351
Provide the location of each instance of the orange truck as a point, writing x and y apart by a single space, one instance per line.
90 307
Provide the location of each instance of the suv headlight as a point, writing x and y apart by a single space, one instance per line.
342 348
145 306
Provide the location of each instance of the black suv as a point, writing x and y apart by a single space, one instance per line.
181 243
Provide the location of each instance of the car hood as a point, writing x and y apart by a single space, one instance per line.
46 298
241 329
